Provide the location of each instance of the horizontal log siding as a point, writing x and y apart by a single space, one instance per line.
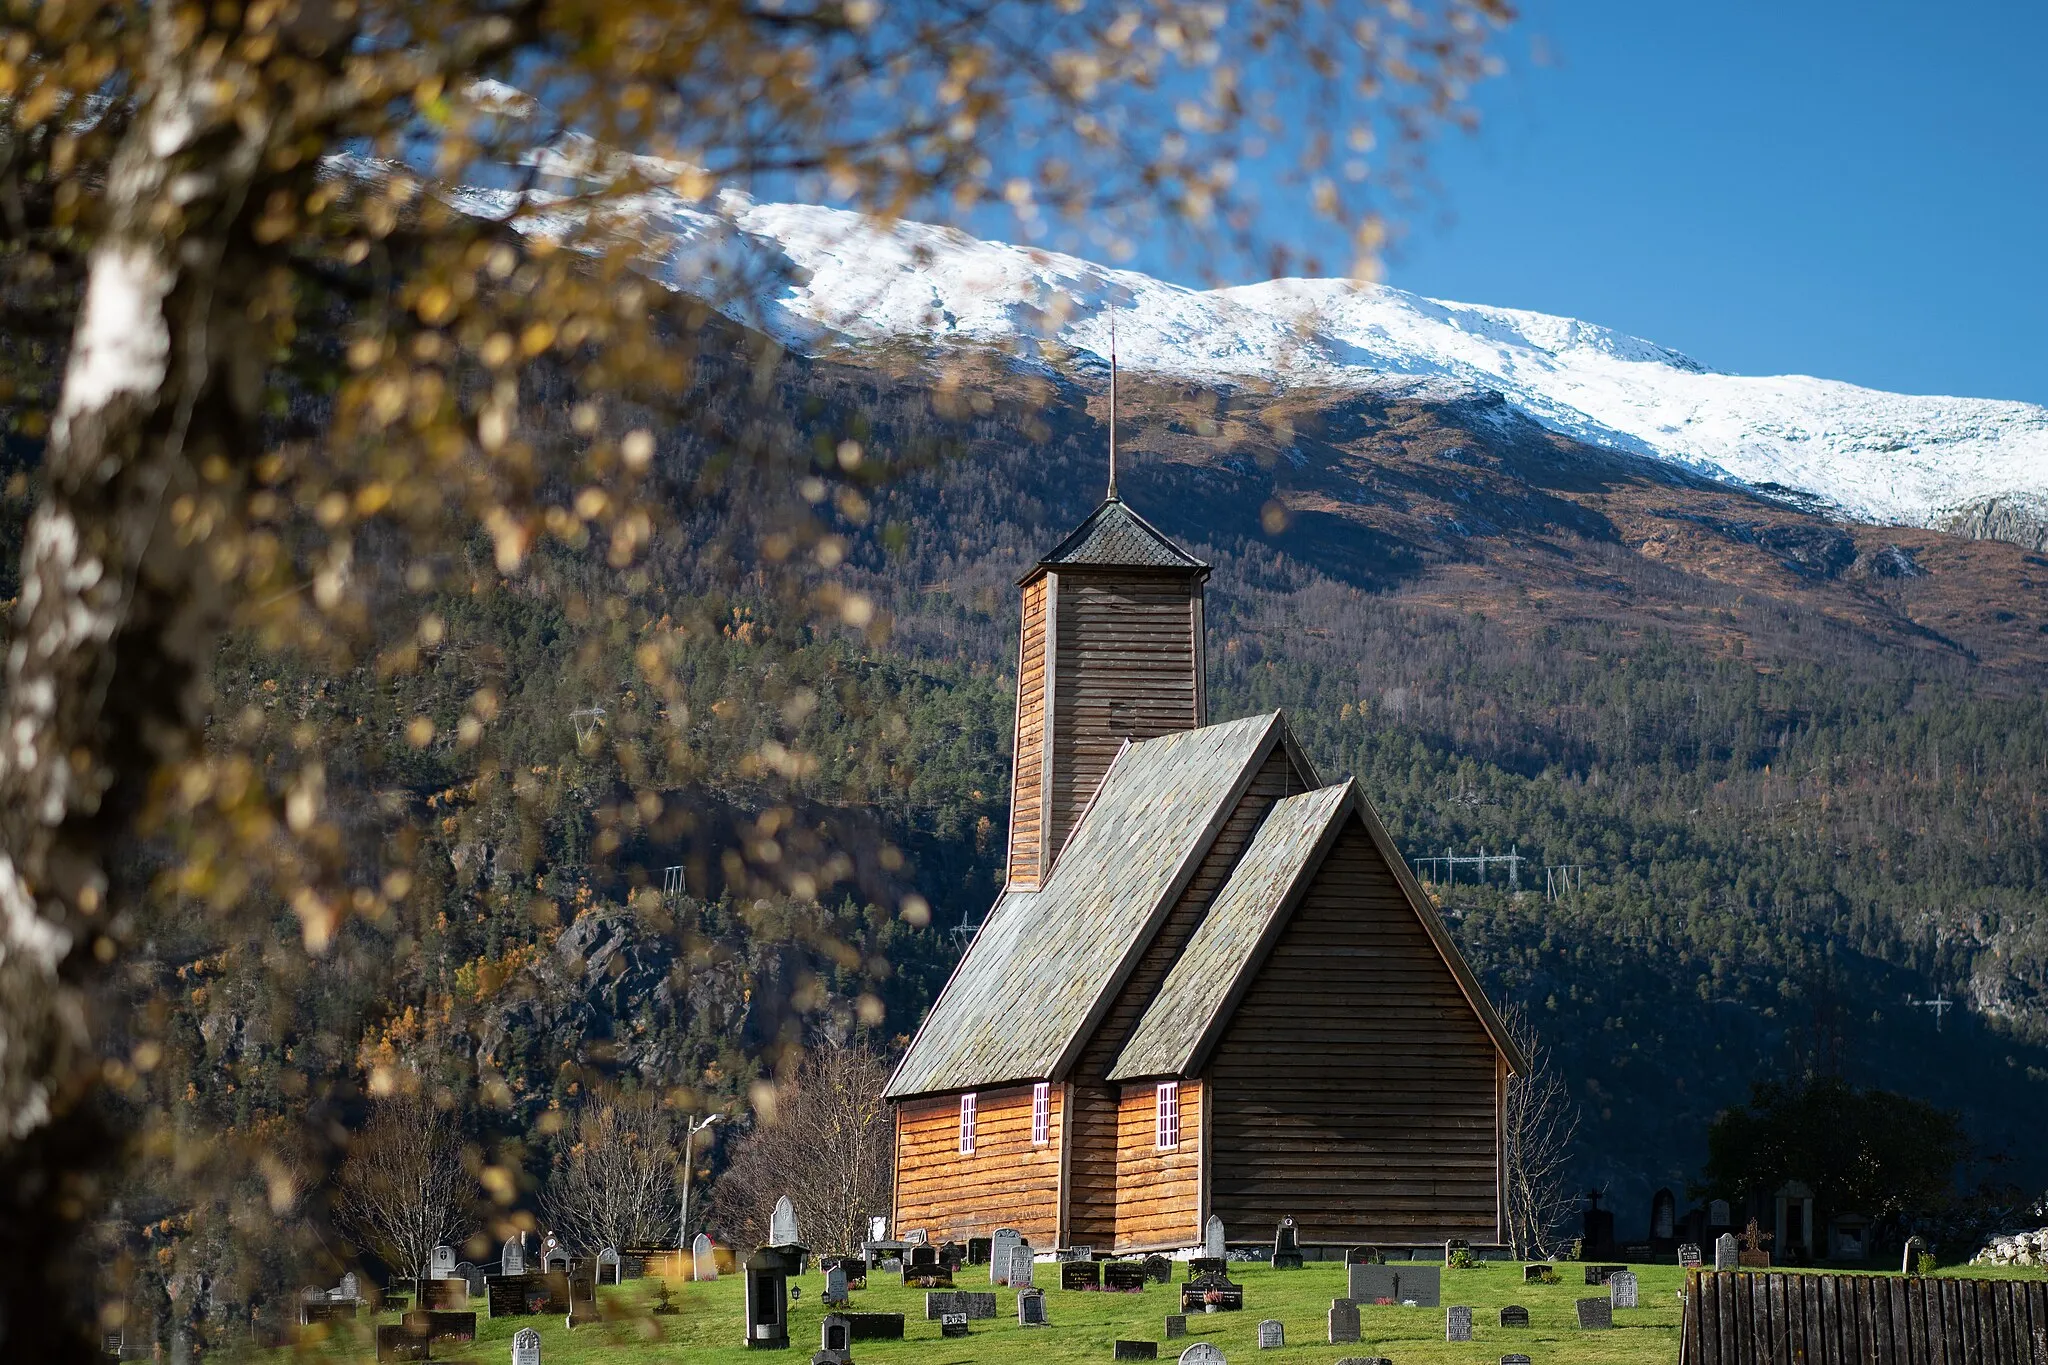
1004 1183
1026 787
1093 1200
1158 1194
1354 1089
1124 668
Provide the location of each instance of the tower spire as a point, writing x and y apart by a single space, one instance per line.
1112 400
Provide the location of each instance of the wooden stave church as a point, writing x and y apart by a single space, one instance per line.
1176 893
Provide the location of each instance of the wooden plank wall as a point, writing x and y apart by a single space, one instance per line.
1005 1182
1124 668
1158 1194
1763 1318
1092 1199
1027 771
1354 1089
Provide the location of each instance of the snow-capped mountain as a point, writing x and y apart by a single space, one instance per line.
819 278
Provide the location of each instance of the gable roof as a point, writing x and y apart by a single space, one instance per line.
1201 992
1047 963
1115 536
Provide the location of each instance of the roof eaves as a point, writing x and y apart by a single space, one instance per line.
890 1091
1275 727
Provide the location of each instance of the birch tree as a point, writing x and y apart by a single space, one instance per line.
1540 1124
401 1190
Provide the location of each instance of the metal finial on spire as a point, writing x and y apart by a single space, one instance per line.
1112 400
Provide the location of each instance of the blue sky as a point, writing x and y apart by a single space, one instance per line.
1858 191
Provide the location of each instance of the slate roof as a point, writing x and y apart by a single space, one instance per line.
1047 963
1114 535
1186 1017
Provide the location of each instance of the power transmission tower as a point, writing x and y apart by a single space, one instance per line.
587 720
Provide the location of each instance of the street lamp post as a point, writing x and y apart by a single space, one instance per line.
689 1139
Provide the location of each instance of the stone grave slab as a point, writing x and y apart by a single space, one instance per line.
782 1224
395 1343
999 1247
441 1263
1362 1256
526 1347
703 1262
1212 1241
1158 1269
1272 1335
1752 1260
874 1326
1286 1246
965 1302
312 1311
1514 1315
1689 1255
1542 1273
1344 1324
978 1249
1421 1285
1080 1275
1621 1289
437 1325
1366 1360
1724 1251
1595 1315
1210 1294
1031 1308
835 1292
1598 1274
448 1295
1021 1263
835 1341
1202 1353
1371 1283
1123 1277
1135 1350
1514 1358
1176 1325
512 1256
1457 1323
1206 1265
953 1325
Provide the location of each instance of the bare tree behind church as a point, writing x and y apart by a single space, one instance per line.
827 1144
1540 1123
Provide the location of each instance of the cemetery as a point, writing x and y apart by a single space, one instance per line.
1477 1317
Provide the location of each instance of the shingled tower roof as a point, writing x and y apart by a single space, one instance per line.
1114 536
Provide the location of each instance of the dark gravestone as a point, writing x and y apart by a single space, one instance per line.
444 1295
1595 1315
953 1255
1286 1246
835 1342
582 1300
1124 1277
1597 1274
1210 1293
874 1326
925 1269
512 1296
1689 1255
1366 1360
1158 1269
1344 1326
964 1302
1205 1265
978 1250
1538 1274
1422 1285
1135 1350
1080 1274
313 1311
953 1325
1514 1358
436 1325
394 1342
1362 1256
1031 1308
1514 1315
1176 1325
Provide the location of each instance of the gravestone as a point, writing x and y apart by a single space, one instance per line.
1206 1265
1909 1262
1457 1323
1421 1286
953 1255
1371 1283
1365 1360
1135 1350
1286 1246
1211 1294
953 1325
435 1325
441 1265
782 1224
964 1302
1031 1308
1663 1216
1598 1274
1621 1289
1344 1325
1212 1240
582 1301
875 1326
350 1289
1595 1315
1076 1275
1454 1245
999 1247
553 1255
1724 1251
1514 1358
394 1342
1077 1253
608 1259
1158 1269
1717 1214
835 1341
703 1263
471 1275
1514 1315
1689 1255
1362 1256
1202 1353
916 1237
767 1300
1540 1273
1176 1325
1020 1267
512 1256
978 1250
835 1285
924 1268
1123 1277
313 1311
448 1295
526 1347
1272 1336
513 1296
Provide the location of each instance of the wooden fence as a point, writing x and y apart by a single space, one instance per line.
1767 1318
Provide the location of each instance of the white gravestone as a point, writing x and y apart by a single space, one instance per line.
1621 1289
1457 1323
782 1224
703 1262
916 1237
350 1289
1724 1251
878 1228
608 1259
442 1265
1202 1353
1000 1244
1344 1328
1272 1336
1212 1240
526 1347
512 1258
1020 1267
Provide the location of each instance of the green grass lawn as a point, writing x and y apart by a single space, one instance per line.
707 1328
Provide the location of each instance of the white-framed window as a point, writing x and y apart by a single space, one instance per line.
1166 1116
966 1124
1041 1114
